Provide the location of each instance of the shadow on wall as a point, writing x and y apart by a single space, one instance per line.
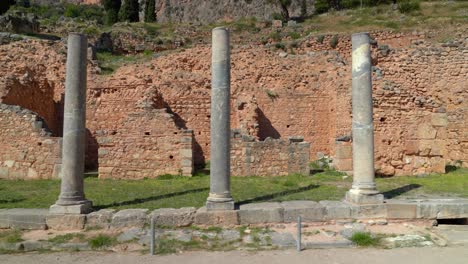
265 128
198 154
91 156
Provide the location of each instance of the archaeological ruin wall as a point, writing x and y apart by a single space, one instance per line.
269 157
419 92
28 151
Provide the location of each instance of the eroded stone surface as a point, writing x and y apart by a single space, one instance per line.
257 213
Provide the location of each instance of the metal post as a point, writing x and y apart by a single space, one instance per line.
299 236
152 237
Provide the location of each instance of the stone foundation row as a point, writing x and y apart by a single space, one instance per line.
256 213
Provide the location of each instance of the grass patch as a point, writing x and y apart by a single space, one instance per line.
101 241
178 191
11 236
109 62
363 239
66 238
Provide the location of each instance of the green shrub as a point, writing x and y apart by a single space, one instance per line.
408 6
91 31
320 39
279 45
364 239
275 36
334 41
321 6
72 10
101 241
277 16
294 35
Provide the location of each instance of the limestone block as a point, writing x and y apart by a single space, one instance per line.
217 218
24 218
343 164
309 211
426 131
439 119
344 151
66 221
401 209
336 210
101 218
443 209
369 211
129 218
257 213
3 173
411 147
173 217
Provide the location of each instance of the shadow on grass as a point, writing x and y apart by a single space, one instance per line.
450 168
276 195
44 36
400 190
148 199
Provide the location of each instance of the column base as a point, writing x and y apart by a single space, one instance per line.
357 197
219 202
82 208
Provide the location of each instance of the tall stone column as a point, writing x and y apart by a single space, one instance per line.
363 190
220 195
72 199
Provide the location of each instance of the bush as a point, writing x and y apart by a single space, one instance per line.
72 11
408 6
364 239
321 6
320 39
101 241
294 35
129 11
334 41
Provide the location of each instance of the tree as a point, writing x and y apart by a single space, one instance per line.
112 8
5 5
150 9
129 11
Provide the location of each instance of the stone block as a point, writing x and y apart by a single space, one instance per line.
66 221
401 209
83 208
411 147
439 119
309 211
129 218
367 211
24 218
216 218
282 240
101 218
173 217
442 209
4 173
344 151
258 213
343 164
358 198
336 210
426 131
220 206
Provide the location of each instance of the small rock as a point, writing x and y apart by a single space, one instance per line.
283 54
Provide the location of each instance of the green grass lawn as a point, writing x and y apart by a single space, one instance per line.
177 191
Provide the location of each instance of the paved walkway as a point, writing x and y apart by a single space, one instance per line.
449 255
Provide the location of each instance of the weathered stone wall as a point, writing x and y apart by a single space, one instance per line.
28 151
420 106
269 157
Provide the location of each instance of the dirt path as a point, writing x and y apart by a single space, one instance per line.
452 255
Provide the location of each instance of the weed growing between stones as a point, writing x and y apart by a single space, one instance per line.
101 241
364 239
65 238
11 236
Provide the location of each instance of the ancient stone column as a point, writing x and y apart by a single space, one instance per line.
363 190
220 194
72 198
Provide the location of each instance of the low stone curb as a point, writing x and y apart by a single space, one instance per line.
256 213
